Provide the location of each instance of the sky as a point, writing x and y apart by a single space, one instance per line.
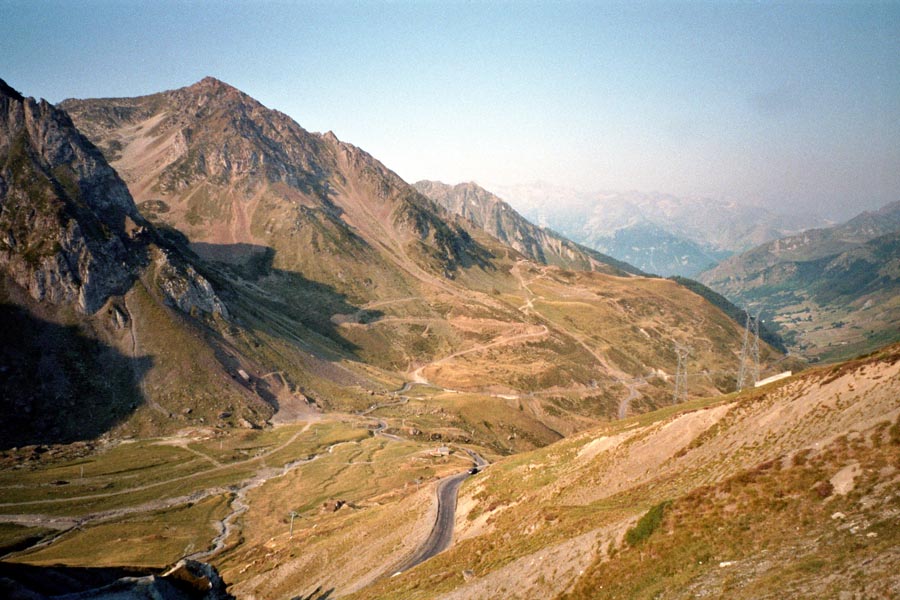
794 106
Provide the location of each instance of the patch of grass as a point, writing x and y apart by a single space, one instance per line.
14 537
122 467
153 539
647 524
144 471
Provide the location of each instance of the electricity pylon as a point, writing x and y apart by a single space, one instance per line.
748 373
681 390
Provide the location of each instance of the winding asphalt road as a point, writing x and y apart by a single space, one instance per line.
442 531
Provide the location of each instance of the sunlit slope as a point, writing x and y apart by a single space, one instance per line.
739 472
347 276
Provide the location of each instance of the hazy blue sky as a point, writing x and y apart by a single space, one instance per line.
793 105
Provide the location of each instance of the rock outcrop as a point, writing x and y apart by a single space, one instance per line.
185 288
70 232
186 580
67 221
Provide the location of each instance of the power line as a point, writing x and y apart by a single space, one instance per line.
748 372
681 389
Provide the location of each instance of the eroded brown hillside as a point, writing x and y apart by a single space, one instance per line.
327 249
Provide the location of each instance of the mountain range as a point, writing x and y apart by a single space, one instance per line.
831 292
658 233
501 221
228 339
253 247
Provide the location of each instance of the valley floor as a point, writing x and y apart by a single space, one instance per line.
789 490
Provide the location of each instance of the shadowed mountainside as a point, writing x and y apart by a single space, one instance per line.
59 384
114 319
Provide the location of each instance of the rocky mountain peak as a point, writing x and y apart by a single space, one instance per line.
70 232
218 132
243 173
218 93
6 90
330 137
211 82
66 219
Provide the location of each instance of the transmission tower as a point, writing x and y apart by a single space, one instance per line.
745 348
748 373
681 390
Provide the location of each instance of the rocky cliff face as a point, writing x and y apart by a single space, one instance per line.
70 232
67 222
83 281
185 288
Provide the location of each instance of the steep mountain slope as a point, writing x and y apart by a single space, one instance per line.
499 219
658 233
327 254
237 178
832 292
68 220
789 489
90 295
729 308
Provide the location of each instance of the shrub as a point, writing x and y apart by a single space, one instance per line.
823 489
647 524
894 432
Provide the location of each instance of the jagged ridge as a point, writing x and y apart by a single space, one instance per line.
83 281
500 220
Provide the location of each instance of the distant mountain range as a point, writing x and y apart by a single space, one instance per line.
658 233
832 292
500 220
